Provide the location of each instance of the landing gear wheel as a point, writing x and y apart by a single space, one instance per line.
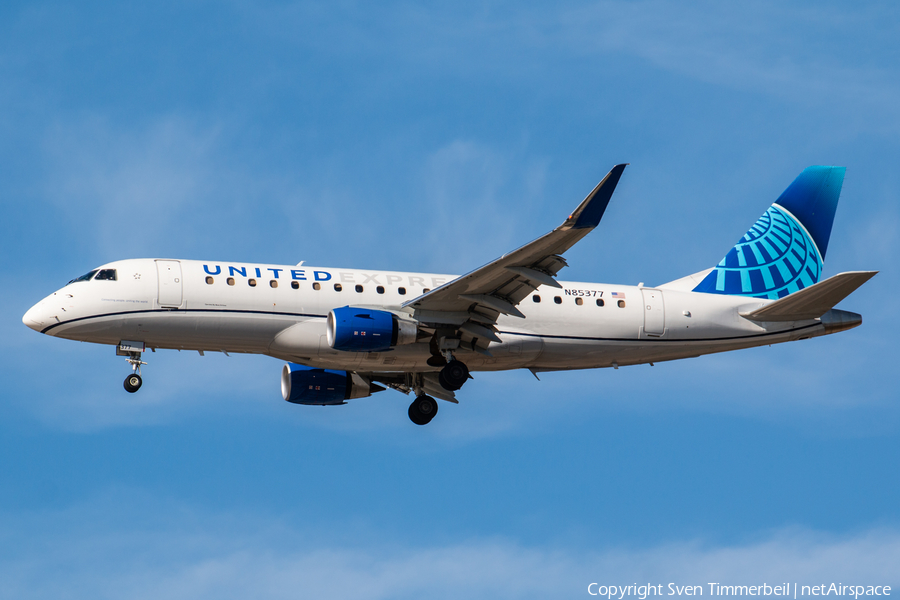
133 383
422 410
453 376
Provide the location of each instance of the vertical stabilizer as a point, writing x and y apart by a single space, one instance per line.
784 250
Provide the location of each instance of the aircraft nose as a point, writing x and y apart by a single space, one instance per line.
35 317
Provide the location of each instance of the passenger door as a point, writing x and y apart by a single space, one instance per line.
169 277
654 312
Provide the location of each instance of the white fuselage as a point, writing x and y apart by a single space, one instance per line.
214 306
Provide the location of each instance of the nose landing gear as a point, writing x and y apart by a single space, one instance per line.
133 383
132 351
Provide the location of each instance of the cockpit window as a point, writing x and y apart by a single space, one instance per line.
106 274
85 277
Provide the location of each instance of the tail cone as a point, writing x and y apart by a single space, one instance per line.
840 320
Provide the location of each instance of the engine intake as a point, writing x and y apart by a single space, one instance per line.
367 330
308 385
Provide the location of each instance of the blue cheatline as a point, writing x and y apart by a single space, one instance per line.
784 250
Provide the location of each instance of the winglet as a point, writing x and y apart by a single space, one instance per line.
590 211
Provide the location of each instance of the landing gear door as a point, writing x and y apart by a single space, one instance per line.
654 312
169 277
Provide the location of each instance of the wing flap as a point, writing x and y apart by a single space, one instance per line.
432 387
814 301
540 277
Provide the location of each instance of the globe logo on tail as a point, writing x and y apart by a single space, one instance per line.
775 257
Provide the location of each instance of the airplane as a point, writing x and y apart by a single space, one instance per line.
349 333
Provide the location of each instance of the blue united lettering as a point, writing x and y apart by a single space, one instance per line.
296 274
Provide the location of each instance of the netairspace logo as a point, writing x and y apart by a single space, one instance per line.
641 592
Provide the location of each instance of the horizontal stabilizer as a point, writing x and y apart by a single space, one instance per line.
814 301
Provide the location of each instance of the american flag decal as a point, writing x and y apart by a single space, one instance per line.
618 295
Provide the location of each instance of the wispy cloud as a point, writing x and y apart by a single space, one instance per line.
182 552
89 396
476 201
808 54
128 189
766 47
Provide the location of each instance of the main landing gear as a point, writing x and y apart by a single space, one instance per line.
454 372
453 375
422 410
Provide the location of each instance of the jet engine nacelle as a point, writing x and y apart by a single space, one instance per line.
367 330
307 385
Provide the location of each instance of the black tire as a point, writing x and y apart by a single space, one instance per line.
133 383
422 410
453 376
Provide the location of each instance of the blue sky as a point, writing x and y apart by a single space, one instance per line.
436 137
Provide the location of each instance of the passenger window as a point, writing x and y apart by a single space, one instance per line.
557 299
338 287
251 282
600 302
401 291
426 290
106 275
273 283
536 298
317 286
295 285
380 289
230 281
621 303
359 289
579 301
209 280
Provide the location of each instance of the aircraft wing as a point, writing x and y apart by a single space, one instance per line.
497 287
